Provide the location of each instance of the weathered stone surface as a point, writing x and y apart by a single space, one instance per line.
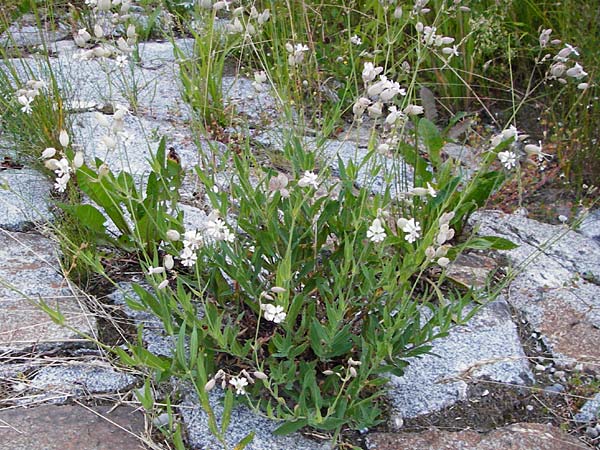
521 436
552 290
25 201
29 35
153 334
59 382
590 410
590 226
393 173
488 346
259 108
71 428
29 265
471 270
243 422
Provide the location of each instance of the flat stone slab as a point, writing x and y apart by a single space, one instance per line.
52 427
521 436
28 35
590 226
471 270
56 383
29 263
155 337
558 289
26 199
243 421
488 346
590 411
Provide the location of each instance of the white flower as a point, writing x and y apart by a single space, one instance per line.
355 40
239 383
545 37
411 228
445 234
508 159
370 72
360 106
192 239
576 72
61 182
216 230
273 313
121 61
451 51
376 232
430 190
155 270
163 284
309 179
62 167
26 102
188 257
413 110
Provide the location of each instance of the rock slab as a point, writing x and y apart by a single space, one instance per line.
25 200
526 436
488 346
71 428
557 283
28 273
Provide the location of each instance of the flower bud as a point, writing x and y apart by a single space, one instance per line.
49 153
98 31
278 290
328 372
163 284
103 170
443 261
168 262
52 164
260 375
353 372
78 160
103 5
63 138
209 385
173 235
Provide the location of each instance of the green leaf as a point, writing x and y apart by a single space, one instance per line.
433 140
227 410
244 442
87 215
486 242
290 427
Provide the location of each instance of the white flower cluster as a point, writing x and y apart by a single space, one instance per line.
295 53
431 39
509 157
559 69
247 27
26 95
380 95
114 130
376 232
411 227
212 231
61 167
238 382
445 234
104 27
273 313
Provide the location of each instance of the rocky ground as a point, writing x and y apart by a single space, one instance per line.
523 373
